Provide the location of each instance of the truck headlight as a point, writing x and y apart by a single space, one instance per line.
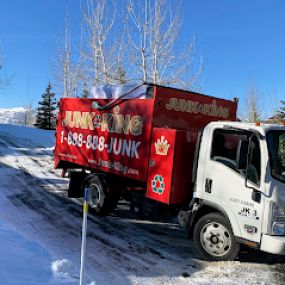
278 228
277 225
277 212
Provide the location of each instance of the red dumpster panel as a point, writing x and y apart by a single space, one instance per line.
185 110
161 165
169 179
115 140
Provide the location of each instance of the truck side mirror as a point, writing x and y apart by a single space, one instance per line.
242 155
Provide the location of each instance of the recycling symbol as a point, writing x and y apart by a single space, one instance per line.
157 184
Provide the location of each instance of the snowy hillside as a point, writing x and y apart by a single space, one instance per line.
16 116
40 233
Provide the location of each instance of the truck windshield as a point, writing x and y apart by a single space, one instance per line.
276 148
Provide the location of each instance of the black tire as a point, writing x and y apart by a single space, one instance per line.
214 238
100 201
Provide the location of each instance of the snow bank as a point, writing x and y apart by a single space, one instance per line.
22 261
43 138
63 269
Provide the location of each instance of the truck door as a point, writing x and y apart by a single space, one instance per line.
227 187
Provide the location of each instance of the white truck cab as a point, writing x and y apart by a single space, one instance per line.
239 189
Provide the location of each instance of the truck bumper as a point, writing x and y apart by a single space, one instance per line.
273 244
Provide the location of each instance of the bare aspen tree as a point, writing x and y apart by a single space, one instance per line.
67 72
120 64
29 115
67 89
138 37
252 104
99 21
130 40
4 80
62 65
153 30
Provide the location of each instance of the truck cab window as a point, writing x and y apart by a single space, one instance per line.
224 146
276 148
253 170
224 150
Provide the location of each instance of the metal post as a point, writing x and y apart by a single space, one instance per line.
84 231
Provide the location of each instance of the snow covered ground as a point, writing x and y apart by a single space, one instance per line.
26 261
40 232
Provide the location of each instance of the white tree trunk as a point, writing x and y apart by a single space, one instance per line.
4 80
153 37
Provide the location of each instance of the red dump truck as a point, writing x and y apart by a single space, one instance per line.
163 147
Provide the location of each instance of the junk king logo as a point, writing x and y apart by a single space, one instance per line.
161 146
157 184
206 109
113 123
106 122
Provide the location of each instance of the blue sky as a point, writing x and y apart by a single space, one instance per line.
241 42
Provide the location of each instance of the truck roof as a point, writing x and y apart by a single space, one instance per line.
261 128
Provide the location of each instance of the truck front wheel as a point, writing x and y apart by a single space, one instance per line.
99 201
214 238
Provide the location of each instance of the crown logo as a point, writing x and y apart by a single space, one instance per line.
161 146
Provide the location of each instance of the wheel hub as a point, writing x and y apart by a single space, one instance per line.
215 239
94 196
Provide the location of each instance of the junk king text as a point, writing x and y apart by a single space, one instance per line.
182 105
103 122
106 122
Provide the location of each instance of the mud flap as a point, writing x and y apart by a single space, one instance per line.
75 184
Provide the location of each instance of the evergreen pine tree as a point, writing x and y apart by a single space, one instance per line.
279 115
46 117
281 112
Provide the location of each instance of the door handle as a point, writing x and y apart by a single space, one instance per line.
208 185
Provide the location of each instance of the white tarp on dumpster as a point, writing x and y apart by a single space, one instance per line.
116 91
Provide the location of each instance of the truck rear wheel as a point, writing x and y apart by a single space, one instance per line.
214 238
99 200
